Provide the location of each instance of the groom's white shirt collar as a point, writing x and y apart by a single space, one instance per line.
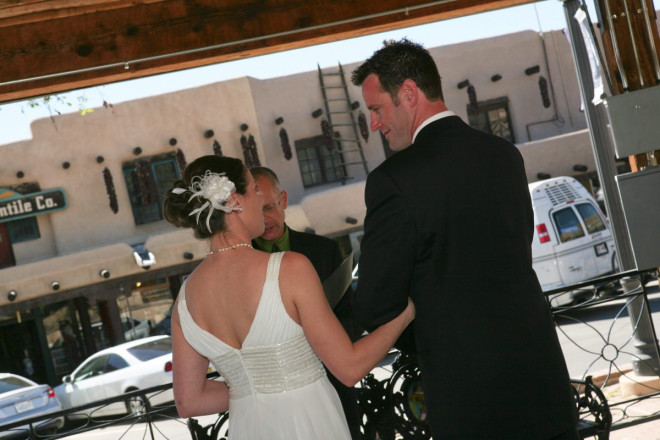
433 118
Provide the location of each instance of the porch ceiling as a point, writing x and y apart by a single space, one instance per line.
58 45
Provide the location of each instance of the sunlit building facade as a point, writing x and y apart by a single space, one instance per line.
86 258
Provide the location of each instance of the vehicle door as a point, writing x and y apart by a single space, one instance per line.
543 256
115 377
87 383
601 237
574 249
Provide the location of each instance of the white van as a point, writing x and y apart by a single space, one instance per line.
573 240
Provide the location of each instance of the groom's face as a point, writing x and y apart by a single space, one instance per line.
392 118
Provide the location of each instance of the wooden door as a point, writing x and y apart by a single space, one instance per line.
6 252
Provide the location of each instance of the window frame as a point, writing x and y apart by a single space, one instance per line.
599 226
318 145
483 108
563 230
153 212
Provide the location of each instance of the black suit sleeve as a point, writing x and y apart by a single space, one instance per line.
387 257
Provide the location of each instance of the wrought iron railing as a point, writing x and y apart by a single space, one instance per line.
140 417
599 332
608 334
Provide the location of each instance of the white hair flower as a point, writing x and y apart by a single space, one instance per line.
216 188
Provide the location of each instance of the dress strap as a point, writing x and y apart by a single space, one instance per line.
273 271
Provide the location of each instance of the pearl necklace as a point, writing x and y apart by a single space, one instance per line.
234 246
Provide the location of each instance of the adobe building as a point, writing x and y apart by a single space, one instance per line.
85 253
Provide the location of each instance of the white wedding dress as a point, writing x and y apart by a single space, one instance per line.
278 388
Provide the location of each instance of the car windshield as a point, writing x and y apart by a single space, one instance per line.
152 349
12 383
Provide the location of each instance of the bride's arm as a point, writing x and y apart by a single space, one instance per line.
194 394
306 303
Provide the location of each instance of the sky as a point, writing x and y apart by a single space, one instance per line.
543 16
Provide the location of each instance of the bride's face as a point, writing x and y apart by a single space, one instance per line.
253 204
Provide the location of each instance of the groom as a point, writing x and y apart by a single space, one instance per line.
450 223
324 255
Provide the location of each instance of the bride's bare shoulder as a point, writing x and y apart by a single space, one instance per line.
295 261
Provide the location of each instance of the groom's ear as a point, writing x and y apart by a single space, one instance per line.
409 93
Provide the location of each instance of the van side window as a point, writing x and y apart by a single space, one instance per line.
591 219
568 225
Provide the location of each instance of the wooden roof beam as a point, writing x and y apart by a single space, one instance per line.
59 45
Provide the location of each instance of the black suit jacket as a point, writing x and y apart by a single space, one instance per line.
325 256
449 223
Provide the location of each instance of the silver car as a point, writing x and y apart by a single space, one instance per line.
22 398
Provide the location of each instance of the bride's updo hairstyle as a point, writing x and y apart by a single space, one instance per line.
185 209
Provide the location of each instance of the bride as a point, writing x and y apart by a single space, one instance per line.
261 319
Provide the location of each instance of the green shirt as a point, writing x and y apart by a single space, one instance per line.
282 243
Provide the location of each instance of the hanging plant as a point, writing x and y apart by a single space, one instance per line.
364 129
543 87
217 149
110 189
180 159
472 97
325 127
252 145
246 151
284 140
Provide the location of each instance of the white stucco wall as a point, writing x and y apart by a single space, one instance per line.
559 140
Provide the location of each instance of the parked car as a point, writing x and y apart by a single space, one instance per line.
22 398
131 366
136 328
573 241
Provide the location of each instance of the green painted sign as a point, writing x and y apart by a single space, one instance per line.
14 206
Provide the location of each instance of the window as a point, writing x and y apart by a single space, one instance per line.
318 165
492 117
11 383
568 225
591 218
153 349
92 368
147 180
115 362
25 229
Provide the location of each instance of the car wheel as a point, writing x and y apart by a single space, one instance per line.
136 405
